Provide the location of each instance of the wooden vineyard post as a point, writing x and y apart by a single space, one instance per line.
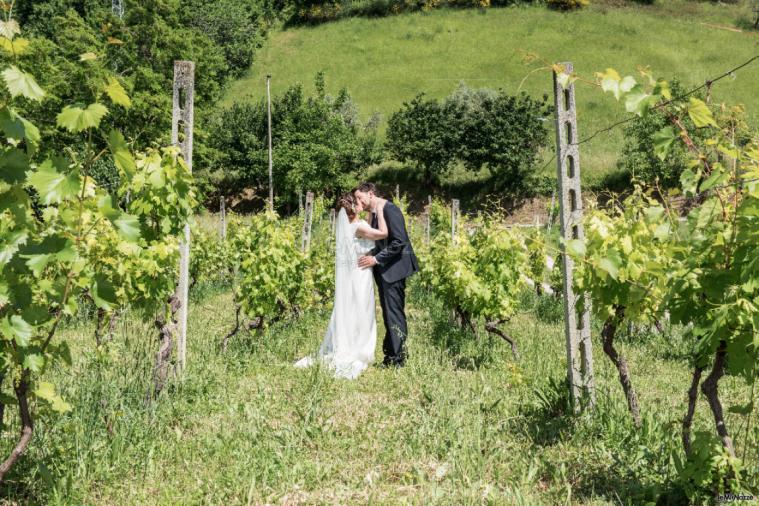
576 325
397 193
182 121
332 219
308 209
454 217
222 219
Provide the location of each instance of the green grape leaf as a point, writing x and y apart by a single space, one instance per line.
103 292
46 391
14 47
38 262
575 247
127 225
52 248
22 84
75 119
718 177
34 362
700 113
16 328
122 157
663 140
662 88
18 128
688 180
611 81
117 93
708 212
610 265
638 101
53 186
14 165
9 245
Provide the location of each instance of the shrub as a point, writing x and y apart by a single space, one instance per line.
566 5
319 143
503 133
478 128
424 132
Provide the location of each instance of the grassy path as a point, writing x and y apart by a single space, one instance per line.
461 424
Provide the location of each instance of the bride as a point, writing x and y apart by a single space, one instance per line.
350 340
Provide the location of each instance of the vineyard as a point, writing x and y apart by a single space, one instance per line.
107 395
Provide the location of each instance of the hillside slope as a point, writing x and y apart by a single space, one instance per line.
386 61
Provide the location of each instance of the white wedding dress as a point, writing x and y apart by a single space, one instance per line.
350 340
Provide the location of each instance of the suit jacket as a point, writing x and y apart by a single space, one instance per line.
395 255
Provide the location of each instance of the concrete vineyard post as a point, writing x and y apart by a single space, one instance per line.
308 211
576 325
182 123
454 217
222 219
271 158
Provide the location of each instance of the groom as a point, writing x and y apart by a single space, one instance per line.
392 260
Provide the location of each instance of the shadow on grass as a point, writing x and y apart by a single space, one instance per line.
475 191
548 419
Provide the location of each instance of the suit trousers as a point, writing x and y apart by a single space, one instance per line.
393 300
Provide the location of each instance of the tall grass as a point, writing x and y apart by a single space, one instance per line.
461 424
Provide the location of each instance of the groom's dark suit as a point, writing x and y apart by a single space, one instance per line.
395 262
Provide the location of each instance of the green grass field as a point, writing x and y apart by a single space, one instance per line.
463 423
384 62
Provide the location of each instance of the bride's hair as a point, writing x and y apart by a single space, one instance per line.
348 202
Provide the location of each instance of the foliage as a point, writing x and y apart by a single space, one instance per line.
478 275
638 156
271 267
567 4
137 53
320 11
424 132
64 237
503 133
626 257
209 256
479 128
705 277
319 144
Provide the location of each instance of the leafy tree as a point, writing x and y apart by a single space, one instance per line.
319 143
138 51
503 133
237 26
424 132
479 128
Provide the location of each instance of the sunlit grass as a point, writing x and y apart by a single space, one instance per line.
463 423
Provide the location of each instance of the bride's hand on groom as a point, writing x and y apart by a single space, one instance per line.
367 262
